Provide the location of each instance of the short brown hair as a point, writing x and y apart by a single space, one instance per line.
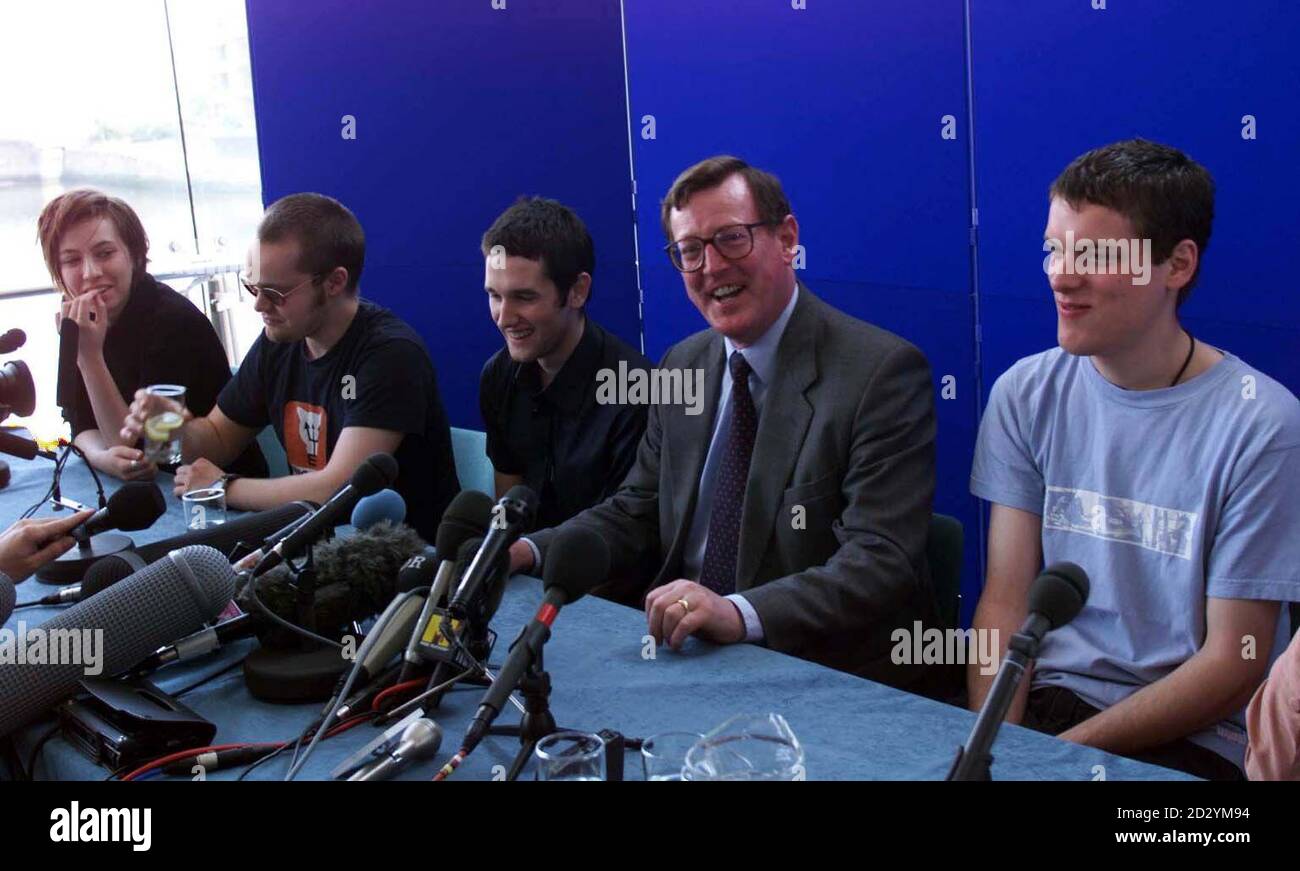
1167 196
328 233
765 188
76 206
546 231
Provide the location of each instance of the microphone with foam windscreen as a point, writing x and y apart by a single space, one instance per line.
356 578
384 505
110 632
8 598
134 506
576 562
1055 598
377 472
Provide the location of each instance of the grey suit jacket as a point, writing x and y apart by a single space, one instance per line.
837 507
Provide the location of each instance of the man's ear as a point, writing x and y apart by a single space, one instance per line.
1182 264
337 280
579 292
787 232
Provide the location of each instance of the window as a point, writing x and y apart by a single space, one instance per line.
93 99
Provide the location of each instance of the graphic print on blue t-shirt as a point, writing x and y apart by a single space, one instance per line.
1155 527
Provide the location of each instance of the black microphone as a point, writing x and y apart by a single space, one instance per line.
510 517
12 340
135 505
68 375
576 562
466 517
8 598
250 532
1055 598
376 473
163 602
356 579
24 449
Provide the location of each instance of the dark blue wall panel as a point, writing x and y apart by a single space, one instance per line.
843 101
459 109
1053 78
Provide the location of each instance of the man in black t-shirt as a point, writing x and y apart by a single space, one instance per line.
339 378
546 424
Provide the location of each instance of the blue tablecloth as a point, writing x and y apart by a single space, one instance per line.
602 678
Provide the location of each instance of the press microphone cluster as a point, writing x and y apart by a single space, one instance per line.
356 578
377 472
1055 598
155 606
467 516
577 561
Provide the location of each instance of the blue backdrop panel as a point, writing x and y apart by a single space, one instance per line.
844 102
459 109
1056 77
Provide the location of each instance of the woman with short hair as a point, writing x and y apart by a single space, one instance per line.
134 330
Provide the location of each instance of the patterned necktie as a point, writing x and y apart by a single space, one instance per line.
719 570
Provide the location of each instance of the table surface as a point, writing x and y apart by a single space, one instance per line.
605 675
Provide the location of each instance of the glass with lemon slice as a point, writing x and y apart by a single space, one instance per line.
162 432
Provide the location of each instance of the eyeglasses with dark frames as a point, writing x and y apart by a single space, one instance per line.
733 242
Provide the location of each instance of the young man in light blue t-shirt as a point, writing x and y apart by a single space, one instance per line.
1166 468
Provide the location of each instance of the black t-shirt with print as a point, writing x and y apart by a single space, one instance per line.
378 375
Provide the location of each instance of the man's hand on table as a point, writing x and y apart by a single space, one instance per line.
683 608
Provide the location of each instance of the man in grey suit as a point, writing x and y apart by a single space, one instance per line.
793 511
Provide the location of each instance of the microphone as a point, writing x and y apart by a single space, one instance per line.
12 340
68 374
24 449
8 598
510 517
384 505
135 505
466 517
1055 598
576 562
162 602
420 740
251 532
355 577
373 475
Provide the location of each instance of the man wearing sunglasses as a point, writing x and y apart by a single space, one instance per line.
338 377
792 512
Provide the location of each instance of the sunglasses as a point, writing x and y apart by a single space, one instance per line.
276 297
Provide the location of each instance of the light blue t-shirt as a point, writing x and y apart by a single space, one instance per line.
1165 497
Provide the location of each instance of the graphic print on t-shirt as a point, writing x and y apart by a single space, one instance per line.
305 435
1164 530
